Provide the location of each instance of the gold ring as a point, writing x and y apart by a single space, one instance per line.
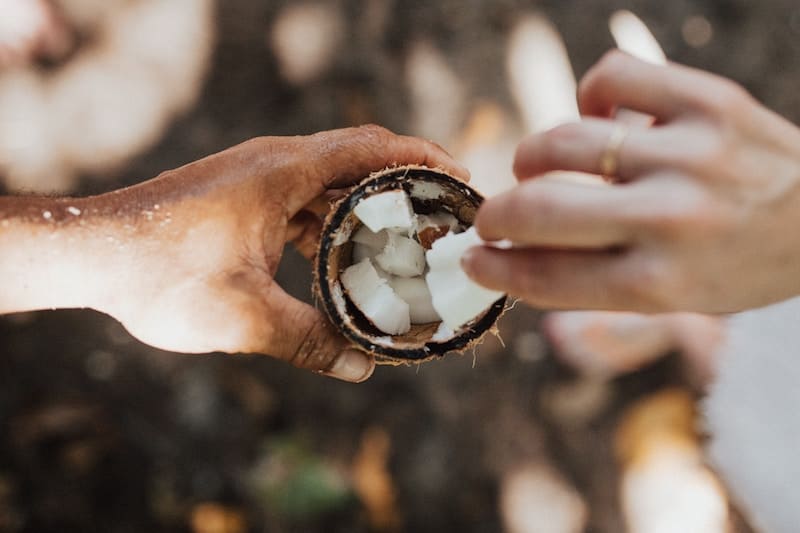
609 162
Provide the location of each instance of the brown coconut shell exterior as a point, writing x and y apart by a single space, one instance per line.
334 254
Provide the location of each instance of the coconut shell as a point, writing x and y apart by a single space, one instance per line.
430 191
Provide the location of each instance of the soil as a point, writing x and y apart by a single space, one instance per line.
101 433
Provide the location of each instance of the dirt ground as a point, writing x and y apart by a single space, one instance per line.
101 433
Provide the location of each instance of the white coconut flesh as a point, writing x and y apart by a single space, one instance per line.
395 283
367 243
414 291
386 210
362 251
375 298
456 297
402 256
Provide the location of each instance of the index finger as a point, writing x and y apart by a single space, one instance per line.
580 147
341 157
619 80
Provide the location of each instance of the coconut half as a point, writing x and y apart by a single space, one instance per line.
388 271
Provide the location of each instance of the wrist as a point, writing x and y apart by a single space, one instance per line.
60 253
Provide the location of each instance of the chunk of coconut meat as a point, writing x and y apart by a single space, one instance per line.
386 210
370 238
456 298
373 296
362 251
367 244
414 291
402 256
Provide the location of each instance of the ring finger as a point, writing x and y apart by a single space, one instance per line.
586 146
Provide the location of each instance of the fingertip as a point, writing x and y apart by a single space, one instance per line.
538 153
439 157
493 216
468 262
462 172
473 263
490 268
608 66
353 366
521 156
480 219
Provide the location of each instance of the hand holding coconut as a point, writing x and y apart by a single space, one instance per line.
186 261
700 217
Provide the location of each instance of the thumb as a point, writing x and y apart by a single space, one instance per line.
303 337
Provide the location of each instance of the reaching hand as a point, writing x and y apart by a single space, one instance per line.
701 217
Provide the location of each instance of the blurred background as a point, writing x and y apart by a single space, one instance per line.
101 433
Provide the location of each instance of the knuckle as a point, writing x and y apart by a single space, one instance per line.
312 352
707 220
650 283
374 132
554 143
709 153
260 149
532 205
525 154
668 223
608 66
564 135
531 286
691 219
726 98
612 61
255 142
535 282
367 137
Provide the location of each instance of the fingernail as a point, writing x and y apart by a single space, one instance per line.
353 366
464 170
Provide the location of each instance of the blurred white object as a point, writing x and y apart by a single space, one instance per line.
751 414
111 101
543 82
697 31
87 15
543 85
671 493
540 75
486 147
437 95
21 24
536 499
305 40
633 36
666 487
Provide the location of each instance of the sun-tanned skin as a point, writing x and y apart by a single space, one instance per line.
186 260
